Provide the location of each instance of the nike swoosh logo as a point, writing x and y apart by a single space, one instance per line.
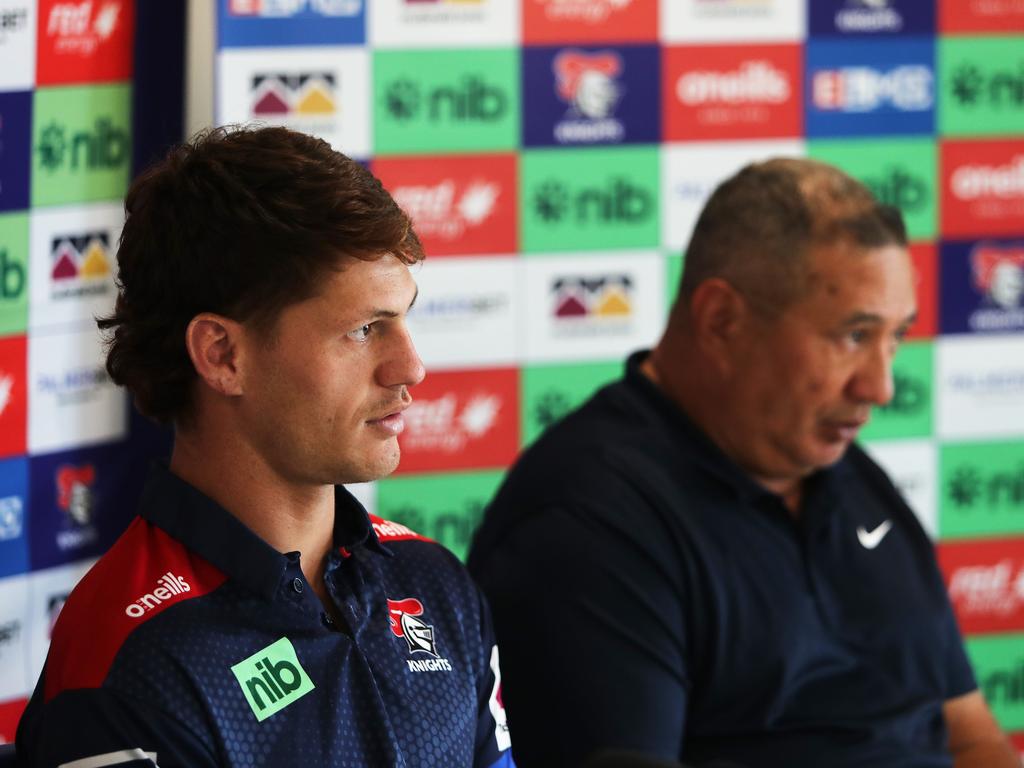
871 539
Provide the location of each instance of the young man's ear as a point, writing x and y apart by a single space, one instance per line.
214 345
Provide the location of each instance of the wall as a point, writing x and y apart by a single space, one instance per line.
554 155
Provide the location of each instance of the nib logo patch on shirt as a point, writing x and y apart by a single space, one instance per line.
272 678
404 617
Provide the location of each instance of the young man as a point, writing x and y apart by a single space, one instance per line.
254 614
699 564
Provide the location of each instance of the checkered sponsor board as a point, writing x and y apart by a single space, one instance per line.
554 155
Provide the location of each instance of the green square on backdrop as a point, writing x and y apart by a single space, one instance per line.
980 86
551 391
589 199
998 662
81 144
14 273
900 171
445 100
911 410
981 490
444 507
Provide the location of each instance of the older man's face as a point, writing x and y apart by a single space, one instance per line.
806 381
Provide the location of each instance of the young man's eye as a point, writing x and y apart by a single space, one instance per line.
362 333
858 336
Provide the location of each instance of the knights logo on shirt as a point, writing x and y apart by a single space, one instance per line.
404 616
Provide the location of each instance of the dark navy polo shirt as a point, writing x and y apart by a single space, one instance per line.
192 642
649 595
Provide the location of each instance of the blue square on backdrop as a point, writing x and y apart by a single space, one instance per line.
243 23
981 286
15 149
14 518
82 500
591 95
860 18
870 87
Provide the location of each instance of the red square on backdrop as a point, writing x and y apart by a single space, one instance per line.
983 579
925 260
13 395
982 188
460 205
462 420
590 21
732 92
10 714
84 41
1004 16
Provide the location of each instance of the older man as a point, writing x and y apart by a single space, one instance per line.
699 563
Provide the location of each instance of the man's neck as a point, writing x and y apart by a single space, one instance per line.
288 516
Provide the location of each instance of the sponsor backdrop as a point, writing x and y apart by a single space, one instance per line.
554 155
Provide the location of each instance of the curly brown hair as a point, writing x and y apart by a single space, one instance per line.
241 222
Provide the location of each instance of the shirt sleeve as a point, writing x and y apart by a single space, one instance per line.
98 727
493 741
585 612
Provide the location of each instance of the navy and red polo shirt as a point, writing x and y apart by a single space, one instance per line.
192 642
649 595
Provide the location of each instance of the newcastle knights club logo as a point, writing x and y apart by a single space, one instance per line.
403 616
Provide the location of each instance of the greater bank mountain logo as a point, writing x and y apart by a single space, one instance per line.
298 95
272 679
80 265
590 298
101 146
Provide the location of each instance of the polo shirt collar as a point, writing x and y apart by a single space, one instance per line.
691 439
220 538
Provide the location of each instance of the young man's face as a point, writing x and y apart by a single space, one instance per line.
806 381
325 392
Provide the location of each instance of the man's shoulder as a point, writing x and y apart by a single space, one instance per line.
145 573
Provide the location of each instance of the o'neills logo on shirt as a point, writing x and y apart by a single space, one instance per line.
168 586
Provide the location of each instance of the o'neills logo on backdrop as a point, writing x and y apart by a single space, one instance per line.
722 92
168 587
983 187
